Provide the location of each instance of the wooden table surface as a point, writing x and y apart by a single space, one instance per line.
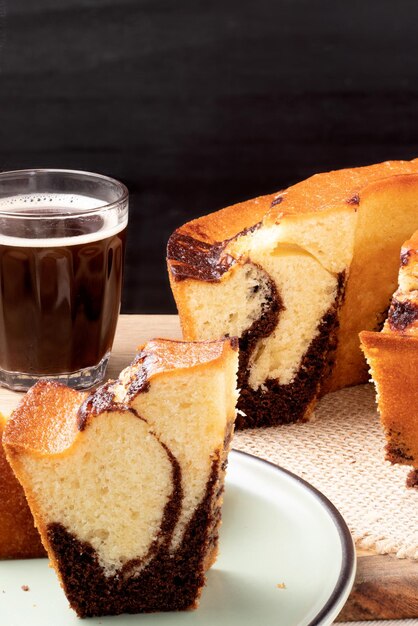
385 587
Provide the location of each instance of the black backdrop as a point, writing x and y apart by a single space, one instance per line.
196 105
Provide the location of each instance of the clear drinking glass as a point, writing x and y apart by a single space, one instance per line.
62 241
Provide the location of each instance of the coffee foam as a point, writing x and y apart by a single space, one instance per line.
58 206
33 201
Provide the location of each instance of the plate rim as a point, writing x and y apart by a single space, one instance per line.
347 572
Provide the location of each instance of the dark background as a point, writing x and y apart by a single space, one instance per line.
196 105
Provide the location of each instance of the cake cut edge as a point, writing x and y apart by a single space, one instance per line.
392 356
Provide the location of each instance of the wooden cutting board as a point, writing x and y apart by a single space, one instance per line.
385 587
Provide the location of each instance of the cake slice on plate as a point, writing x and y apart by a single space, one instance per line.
126 484
296 276
393 359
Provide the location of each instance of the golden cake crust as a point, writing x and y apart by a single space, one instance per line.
393 360
371 282
336 190
226 223
409 253
169 356
19 538
46 423
411 245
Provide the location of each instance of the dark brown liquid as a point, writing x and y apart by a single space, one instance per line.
59 305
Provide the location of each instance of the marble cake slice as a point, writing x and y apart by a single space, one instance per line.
126 484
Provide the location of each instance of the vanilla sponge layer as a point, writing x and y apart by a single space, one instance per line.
307 291
110 491
231 306
191 417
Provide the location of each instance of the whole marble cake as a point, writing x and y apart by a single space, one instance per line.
296 275
392 356
126 484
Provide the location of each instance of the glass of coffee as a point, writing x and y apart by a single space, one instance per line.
62 240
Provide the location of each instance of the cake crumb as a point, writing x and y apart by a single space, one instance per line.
281 586
25 587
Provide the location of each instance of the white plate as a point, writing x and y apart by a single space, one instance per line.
276 530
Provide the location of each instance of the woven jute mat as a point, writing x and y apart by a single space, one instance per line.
341 453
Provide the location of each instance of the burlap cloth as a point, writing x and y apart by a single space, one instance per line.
341 453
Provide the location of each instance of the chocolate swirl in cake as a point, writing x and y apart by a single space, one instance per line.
402 314
200 260
283 404
102 399
354 200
